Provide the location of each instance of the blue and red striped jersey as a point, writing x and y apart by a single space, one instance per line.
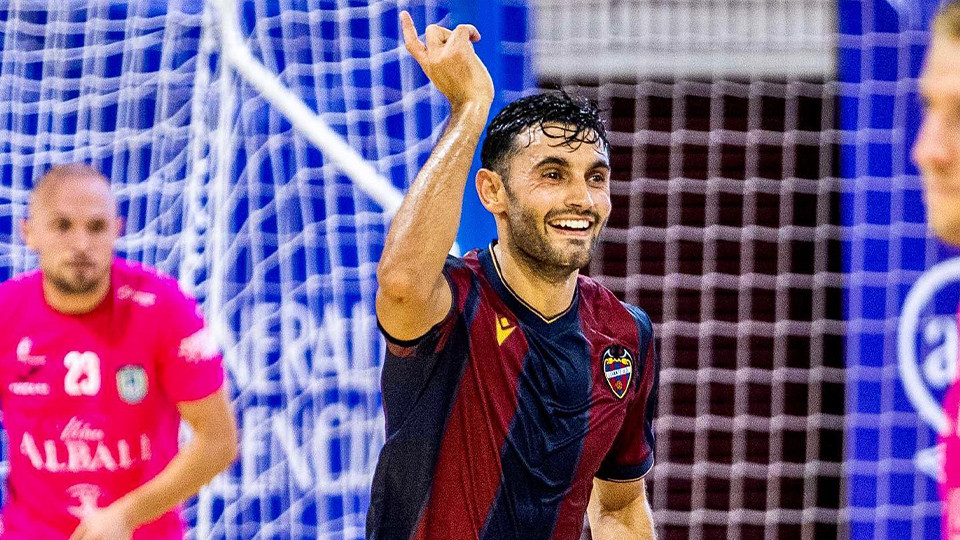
499 418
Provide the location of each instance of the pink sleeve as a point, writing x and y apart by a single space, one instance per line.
191 364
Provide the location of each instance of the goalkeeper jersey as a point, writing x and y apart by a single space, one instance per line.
89 401
499 418
950 479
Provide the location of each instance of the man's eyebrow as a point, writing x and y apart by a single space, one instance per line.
553 160
600 164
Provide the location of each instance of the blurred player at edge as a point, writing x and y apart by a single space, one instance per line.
515 390
937 152
101 358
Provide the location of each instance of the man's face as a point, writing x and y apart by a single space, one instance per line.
73 226
558 199
937 150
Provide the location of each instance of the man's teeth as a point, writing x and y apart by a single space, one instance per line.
579 224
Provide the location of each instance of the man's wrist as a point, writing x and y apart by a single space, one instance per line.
124 510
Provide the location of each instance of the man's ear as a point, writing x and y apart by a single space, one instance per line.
25 231
492 191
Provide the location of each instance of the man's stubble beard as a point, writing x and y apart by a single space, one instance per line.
534 249
78 286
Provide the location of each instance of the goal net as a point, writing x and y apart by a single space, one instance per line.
196 111
725 228
760 174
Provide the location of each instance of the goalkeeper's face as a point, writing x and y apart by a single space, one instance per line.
557 200
937 149
73 227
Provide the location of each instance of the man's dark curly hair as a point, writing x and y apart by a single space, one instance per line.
577 122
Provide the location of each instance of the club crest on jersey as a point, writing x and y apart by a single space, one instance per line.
618 369
132 384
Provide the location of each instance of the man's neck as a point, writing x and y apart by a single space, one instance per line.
74 304
549 297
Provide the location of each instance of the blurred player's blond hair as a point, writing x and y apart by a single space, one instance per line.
947 20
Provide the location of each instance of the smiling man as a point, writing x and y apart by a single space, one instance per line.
101 358
937 152
519 395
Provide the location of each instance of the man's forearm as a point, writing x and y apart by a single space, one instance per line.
425 227
194 465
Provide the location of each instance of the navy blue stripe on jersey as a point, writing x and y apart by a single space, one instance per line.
545 441
417 402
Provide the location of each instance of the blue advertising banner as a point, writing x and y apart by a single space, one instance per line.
902 292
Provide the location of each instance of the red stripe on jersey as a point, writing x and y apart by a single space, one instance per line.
607 413
468 470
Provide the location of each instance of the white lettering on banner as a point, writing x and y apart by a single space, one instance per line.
83 455
276 452
930 362
285 349
24 388
940 364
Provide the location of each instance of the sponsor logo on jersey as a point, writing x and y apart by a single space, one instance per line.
504 329
85 454
86 496
199 346
132 384
927 344
24 388
81 430
24 356
145 299
618 369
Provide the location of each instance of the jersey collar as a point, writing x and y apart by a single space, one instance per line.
523 310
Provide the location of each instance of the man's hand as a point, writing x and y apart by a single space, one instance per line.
450 62
105 524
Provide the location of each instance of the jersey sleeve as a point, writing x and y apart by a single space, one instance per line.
458 276
191 364
632 454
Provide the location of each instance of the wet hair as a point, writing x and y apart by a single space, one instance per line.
574 121
948 19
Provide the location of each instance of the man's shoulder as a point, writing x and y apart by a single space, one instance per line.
603 302
462 271
144 285
13 289
593 293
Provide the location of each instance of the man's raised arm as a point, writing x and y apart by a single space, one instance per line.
413 294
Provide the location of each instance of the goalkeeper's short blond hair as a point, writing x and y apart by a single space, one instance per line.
947 20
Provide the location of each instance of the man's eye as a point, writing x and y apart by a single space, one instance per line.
553 175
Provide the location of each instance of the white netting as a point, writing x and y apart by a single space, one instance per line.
891 459
728 147
218 189
726 230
